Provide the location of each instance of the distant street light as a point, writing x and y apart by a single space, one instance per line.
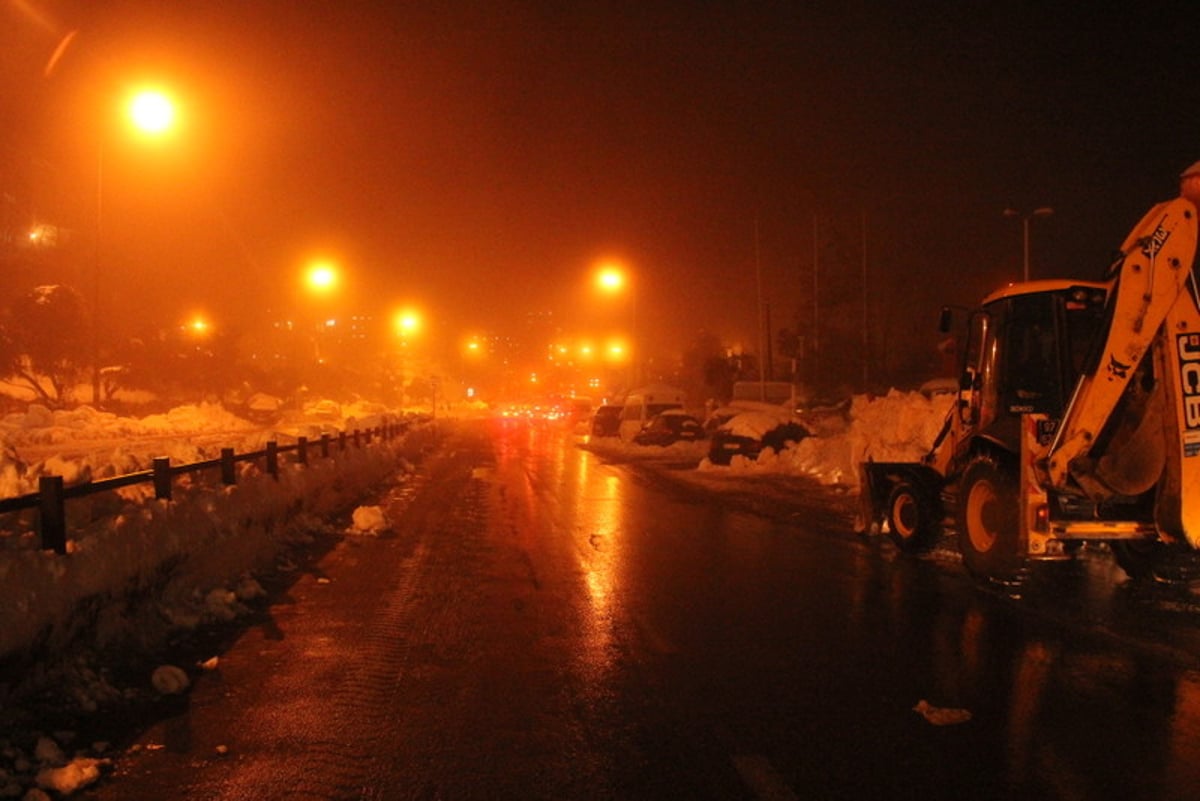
322 277
1044 211
406 322
613 278
151 112
198 327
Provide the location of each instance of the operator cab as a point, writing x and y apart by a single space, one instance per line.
1026 347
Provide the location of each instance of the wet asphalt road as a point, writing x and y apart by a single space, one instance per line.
541 624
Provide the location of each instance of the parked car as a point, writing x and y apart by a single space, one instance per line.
669 427
642 404
749 433
606 422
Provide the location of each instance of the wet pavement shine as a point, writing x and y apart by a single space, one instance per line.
538 623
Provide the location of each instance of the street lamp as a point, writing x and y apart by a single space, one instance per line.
322 277
1044 211
613 278
152 113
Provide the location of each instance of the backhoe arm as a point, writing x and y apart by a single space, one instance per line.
1152 275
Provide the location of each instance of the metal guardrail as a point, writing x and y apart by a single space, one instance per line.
52 495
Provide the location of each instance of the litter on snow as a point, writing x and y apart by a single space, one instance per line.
940 715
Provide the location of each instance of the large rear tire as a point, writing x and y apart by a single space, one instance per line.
988 522
1152 560
914 519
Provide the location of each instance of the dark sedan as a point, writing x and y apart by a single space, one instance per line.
667 428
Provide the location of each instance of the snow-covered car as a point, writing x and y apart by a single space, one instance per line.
723 414
749 433
669 427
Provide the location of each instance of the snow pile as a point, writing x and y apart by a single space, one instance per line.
48 768
619 450
193 553
83 443
71 777
899 426
326 416
190 551
368 520
41 426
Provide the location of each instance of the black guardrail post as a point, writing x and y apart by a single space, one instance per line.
162 477
324 446
357 441
302 450
341 440
228 473
52 514
273 458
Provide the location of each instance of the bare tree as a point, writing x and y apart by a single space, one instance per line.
42 341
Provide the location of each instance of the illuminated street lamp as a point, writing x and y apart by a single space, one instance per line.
198 327
322 277
1044 211
613 278
150 112
406 322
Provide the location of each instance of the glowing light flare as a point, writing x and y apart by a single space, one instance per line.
152 112
616 351
406 322
611 278
198 326
322 277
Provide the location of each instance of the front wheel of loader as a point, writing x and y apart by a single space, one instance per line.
988 522
914 521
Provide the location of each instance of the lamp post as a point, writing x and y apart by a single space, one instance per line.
322 279
1044 211
613 278
152 113
405 323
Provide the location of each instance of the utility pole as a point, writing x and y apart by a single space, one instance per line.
866 338
816 314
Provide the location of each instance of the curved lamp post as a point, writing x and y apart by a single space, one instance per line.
1044 211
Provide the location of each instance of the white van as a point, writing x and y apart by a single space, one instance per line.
643 403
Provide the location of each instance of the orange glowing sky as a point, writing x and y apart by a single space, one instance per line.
477 158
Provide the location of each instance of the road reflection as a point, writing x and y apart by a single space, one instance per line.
776 631
600 523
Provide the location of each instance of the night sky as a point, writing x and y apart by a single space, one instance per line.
478 158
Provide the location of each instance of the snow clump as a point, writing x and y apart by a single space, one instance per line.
368 520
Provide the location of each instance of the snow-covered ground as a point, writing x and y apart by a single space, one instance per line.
197 555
